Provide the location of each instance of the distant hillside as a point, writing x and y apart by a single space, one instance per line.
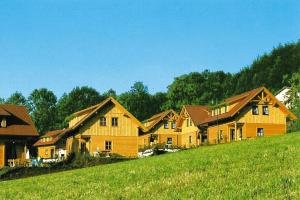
272 70
266 168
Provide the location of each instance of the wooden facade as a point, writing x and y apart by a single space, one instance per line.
17 134
256 113
161 129
108 127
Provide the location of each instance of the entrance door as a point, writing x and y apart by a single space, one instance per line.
52 153
232 134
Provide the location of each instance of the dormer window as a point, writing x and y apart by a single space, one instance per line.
166 124
255 110
265 110
3 123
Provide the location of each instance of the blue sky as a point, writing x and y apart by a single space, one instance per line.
61 44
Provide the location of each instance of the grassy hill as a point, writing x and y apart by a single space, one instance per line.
266 168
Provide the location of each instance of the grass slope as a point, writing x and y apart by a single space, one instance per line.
267 168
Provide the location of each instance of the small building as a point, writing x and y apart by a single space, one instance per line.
17 134
161 129
104 128
188 124
52 145
252 114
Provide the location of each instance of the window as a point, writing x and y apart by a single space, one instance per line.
255 110
190 139
187 122
220 135
265 110
225 108
260 132
108 145
102 121
173 125
169 140
220 111
114 121
3 123
46 151
166 124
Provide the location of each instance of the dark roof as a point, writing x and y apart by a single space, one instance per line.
56 135
197 113
18 120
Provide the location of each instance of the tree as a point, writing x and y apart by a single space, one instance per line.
137 101
2 100
17 98
42 103
110 93
294 100
78 99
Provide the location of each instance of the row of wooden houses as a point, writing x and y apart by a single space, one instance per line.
108 127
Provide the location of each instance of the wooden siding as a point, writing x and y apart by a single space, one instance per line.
76 119
269 129
276 116
2 154
124 136
188 130
126 126
45 152
123 145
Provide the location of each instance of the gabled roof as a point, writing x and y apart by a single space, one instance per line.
155 119
18 120
242 100
56 135
197 113
94 109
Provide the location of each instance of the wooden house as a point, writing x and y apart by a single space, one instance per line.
161 129
52 145
189 119
17 134
255 113
105 127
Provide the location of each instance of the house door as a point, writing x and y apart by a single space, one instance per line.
232 134
52 153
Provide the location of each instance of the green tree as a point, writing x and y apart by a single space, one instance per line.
294 100
17 98
137 101
42 103
78 99
110 93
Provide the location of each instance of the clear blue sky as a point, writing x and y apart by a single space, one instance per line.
61 44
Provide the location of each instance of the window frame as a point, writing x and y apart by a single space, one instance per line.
260 134
113 120
263 110
101 122
173 124
169 139
108 143
166 124
257 109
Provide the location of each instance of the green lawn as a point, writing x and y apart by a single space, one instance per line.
267 168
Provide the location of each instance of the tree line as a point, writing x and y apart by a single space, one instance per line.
273 70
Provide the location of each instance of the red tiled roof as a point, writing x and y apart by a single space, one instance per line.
18 120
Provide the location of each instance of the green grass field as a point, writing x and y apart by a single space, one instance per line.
266 168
